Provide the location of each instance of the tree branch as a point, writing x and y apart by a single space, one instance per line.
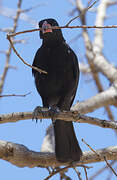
86 9
93 53
16 95
66 116
33 67
107 97
97 57
21 156
100 171
8 54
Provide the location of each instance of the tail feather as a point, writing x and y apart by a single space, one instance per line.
67 148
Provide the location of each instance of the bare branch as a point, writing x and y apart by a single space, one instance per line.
98 155
110 166
33 30
90 147
107 97
85 173
98 41
21 156
78 173
16 95
101 13
86 9
66 116
3 77
65 27
101 170
84 68
95 58
59 170
63 175
92 57
33 67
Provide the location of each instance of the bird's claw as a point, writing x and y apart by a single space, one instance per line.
36 113
53 111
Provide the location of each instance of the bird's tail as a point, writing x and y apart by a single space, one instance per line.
67 148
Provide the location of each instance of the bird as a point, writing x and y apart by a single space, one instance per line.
58 87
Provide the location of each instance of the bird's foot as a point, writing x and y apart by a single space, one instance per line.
53 111
37 112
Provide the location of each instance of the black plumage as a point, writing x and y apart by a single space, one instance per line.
58 87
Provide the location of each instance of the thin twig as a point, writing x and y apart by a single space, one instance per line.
63 175
85 173
78 173
90 147
33 67
64 27
17 95
101 170
57 171
86 9
63 169
8 54
55 27
110 166
100 157
48 169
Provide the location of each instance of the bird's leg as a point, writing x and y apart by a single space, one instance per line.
53 111
37 111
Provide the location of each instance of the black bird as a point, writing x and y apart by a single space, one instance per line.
58 87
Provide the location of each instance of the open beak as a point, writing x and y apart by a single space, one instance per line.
46 27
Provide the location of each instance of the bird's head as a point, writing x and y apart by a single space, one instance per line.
47 33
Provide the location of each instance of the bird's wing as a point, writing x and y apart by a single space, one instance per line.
35 62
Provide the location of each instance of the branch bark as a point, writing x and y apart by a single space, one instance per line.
66 116
94 54
21 156
107 97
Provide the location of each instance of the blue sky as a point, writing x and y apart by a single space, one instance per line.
20 81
